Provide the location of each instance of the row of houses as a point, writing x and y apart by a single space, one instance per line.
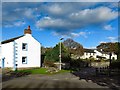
25 51
97 55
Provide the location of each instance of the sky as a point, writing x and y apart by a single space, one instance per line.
88 23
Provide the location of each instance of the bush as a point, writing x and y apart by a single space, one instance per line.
78 63
48 63
52 70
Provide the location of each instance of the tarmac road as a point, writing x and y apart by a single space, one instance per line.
36 81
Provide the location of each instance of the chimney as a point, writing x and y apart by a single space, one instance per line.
28 31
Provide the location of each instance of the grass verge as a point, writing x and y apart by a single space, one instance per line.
41 71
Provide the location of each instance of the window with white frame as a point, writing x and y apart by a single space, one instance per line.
24 46
24 60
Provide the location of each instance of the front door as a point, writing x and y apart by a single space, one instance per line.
3 62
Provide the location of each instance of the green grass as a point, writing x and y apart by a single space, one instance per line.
41 71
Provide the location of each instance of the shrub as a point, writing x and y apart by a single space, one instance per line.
78 63
48 63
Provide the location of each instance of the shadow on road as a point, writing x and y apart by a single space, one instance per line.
113 81
10 75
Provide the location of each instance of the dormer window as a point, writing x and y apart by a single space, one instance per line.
24 46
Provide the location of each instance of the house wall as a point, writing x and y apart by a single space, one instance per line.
114 56
97 53
0 56
7 53
33 53
88 55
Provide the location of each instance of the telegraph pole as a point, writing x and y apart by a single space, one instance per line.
60 53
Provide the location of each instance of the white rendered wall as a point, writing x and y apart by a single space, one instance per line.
7 53
0 56
114 55
33 52
97 53
88 55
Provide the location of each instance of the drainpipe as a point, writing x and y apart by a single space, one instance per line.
14 66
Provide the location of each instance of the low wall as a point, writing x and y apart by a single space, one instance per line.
100 64
63 65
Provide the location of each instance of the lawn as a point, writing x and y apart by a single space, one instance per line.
41 71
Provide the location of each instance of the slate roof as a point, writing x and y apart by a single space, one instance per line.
12 39
89 50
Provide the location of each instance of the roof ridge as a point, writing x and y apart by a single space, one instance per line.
10 40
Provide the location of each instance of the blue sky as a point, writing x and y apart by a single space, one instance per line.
89 23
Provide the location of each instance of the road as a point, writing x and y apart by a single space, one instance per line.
66 80
81 79
38 82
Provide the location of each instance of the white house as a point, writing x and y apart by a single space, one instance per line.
88 53
21 52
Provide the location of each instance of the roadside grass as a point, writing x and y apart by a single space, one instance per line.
41 71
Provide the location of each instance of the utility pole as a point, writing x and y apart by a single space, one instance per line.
60 54
110 54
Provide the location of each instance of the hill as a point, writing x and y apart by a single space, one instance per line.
74 47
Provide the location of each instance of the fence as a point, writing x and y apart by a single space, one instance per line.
107 71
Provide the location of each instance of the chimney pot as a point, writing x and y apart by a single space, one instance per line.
28 31
29 27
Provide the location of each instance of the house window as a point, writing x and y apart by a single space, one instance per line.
24 60
24 46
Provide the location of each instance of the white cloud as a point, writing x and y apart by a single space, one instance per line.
97 15
62 18
79 34
55 9
76 20
28 12
72 34
54 24
102 42
110 39
18 24
108 27
60 1
113 39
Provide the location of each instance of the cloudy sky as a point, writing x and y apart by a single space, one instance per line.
88 23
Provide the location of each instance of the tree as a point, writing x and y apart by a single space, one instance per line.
53 54
44 50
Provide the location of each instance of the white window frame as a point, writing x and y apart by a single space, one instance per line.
26 46
25 60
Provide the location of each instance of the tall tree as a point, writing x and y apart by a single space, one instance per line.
53 54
